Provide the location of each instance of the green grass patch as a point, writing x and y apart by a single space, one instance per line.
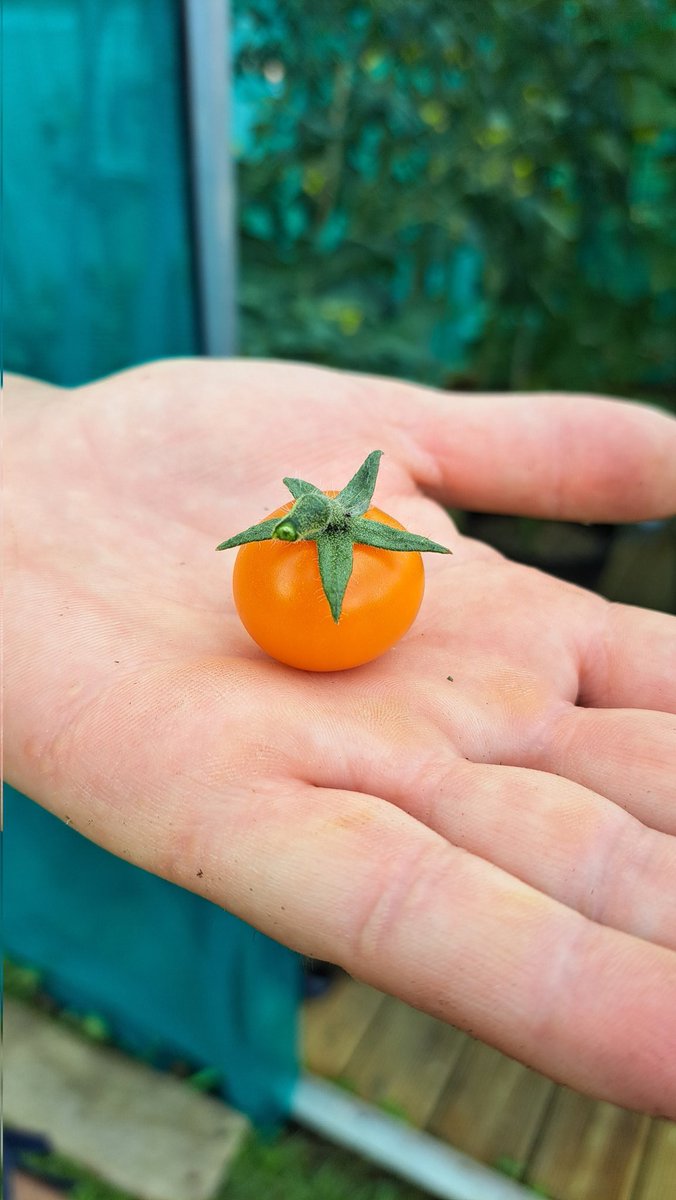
292 1166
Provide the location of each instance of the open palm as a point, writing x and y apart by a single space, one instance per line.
482 821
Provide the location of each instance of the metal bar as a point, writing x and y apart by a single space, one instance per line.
410 1153
208 61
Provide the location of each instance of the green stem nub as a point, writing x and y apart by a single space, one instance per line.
308 517
286 531
336 525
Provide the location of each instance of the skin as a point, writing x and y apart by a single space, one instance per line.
499 850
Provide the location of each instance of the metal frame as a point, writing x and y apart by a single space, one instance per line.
206 26
412 1154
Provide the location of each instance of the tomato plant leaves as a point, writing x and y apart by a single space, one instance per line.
299 487
255 533
336 524
385 537
335 554
356 496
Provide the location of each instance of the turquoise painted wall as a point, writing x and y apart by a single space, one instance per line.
97 270
98 277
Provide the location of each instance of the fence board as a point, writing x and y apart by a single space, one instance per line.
492 1106
589 1150
334 1024
404 1061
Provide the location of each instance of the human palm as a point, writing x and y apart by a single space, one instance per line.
483 820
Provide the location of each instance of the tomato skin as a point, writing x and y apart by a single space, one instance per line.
280 600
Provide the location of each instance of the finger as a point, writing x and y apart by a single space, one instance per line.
558 837
345 876
627 755
559 456
632 663
348 877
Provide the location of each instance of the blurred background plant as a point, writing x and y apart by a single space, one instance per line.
468 195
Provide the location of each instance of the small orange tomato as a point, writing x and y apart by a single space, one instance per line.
327 581
281 603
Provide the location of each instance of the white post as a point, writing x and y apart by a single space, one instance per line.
208 61
405 1151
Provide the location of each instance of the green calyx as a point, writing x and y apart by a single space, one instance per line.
336 524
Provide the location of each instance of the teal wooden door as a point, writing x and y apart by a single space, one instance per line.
98 271
98 277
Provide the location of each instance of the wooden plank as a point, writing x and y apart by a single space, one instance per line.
657 1179
404 1060
332 1025
492 1106
588 1148
138 1129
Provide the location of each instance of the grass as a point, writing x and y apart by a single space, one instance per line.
298 1166
292 1166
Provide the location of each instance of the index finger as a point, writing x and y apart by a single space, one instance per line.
552 455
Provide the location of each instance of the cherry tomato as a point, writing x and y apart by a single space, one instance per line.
280 600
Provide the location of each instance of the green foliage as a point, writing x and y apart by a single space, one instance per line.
472 194
292 1166
297 1166
517 1170
90 1025
394 1109
208 1079
26 983
86 1186
21 981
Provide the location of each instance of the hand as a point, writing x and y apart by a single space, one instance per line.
497 849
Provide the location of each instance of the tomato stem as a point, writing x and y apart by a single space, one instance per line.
311 514
336 524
